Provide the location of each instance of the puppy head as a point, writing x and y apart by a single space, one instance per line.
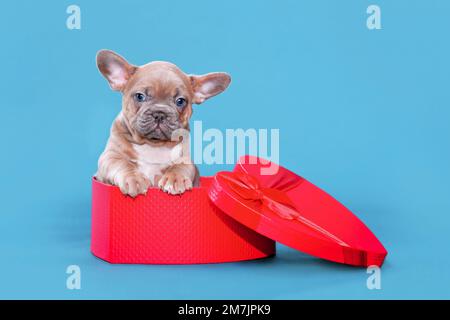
158 96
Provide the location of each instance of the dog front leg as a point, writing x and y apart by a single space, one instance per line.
115 169
178 178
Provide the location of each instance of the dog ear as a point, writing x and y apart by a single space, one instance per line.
209 85
115 69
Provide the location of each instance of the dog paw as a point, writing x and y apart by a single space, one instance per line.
174 183
134 184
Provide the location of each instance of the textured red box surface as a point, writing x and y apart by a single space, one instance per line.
164 229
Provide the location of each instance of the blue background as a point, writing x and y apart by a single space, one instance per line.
363 114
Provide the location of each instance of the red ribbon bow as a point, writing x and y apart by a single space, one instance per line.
274 197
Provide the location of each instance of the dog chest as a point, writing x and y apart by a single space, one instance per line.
153 160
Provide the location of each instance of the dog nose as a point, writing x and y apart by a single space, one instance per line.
159 116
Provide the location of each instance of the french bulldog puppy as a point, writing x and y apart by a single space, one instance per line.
145 148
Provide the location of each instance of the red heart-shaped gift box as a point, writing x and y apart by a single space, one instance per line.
232 216
159 228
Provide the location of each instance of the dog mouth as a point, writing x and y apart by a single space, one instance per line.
158 133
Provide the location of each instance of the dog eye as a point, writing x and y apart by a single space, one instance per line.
180 102
140 97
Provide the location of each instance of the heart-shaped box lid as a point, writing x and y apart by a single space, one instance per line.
287 208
